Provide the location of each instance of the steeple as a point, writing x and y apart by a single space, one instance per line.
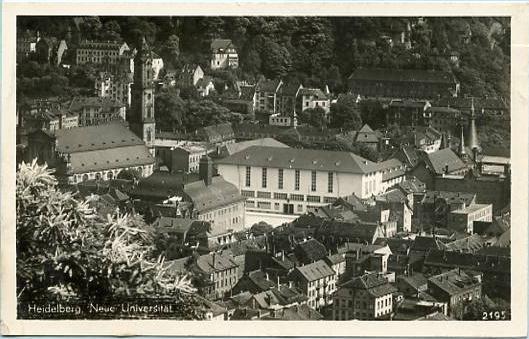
141 112
473 142
461 149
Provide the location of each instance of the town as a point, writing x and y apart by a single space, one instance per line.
372 190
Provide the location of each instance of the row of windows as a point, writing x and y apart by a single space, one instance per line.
280 179
285 196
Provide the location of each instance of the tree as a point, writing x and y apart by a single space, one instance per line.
275 59
171 49
313 116
111 31
67 252
169 109
345 114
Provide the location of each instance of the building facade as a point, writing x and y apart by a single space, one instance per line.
100 52
317 281
294 181
223 54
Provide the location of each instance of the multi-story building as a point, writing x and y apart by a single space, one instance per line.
317 281
267 96
100 52
185 157
94 152
455 287
219 273
97 110
290 180
403 83
189 75
367 297
223 54
113 86
463 219
217 136
313 98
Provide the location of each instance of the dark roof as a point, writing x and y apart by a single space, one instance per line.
316 270
218 193
247 92
392 196
259 278
425 244
450 197
310 251
366 134
416 280
163 184
472 261
479 103
90 138
354 231
375 284
437 161
396 245
412 185
240 146
221 44
266 85
306 159
454 282
469 244
105 103
495 251
316 92
403 75
177 225
408 155
215 262
219 132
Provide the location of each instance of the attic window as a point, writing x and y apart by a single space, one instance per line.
246 157
270 158
291 160
337 163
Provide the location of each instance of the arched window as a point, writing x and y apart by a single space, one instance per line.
85 177
98 176
110 175
149 135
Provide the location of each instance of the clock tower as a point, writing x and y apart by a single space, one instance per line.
141 112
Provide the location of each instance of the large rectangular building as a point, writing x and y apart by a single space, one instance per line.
294 181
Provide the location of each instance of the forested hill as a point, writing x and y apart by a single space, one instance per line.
313 50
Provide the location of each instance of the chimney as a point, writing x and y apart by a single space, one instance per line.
278 282
205 170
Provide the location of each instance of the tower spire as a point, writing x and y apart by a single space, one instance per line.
461 149
473 141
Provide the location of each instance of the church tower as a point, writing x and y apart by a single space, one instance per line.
473 142
141 112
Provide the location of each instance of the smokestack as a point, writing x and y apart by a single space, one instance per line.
205 170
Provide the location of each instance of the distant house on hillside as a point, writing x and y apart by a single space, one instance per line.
223 54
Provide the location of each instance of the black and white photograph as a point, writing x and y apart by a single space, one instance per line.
348 168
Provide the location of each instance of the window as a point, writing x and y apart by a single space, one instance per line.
297 197
266 195
280 179
248 175
330 182
264 178
313 181
280 196
296 180
313 198
300 208
248 194
264 205
329 200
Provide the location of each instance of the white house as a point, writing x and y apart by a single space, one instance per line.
223 54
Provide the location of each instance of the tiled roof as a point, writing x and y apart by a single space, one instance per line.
104 103
357 231
416 280
412 185
392 196
479 103
215 262
437 161
178 225
315 271
310 251
87 44
116 157
266 85
219 132
316 92
91 138
403 75
469 244
408 155
425 244
221 44
475 262
247 92
163 185
373 283
219 193
454 281
366 134
450 197
305 159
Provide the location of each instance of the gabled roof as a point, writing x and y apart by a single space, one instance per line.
266 85
221 44
91 138
408 155
443 159
240 146
454 282
310 251
304 159
316 92
412 185
469 244
417 280
217 132
215 262
425 244
450 197
219 193
316 270
366 134
375 284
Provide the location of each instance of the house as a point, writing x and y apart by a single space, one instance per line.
408 155
185 157
411 285
215 274
294 181
361 258
317 281
254 282
182 232
267 95
287 96
440 163
463 219
97 110
335 233
337 263
426 139
100 52
403 83
400 209
157 65
313 98
189 75
310 251
456 287
367 297
393 172
205 86
93 152
484 106
436 206
114 86
51 120
407 112
444 119
223 54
